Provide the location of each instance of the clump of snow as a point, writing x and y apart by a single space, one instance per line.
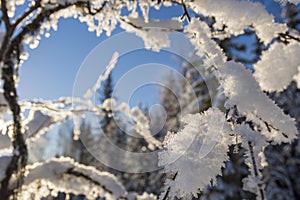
11 6
109 104
155 33
238 15
144 6
277 66
142 127
103 76
4 108
242 90
76 130
63 174
145 196
200 37
171 24
207 132
258 143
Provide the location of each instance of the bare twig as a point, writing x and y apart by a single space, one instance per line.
169 188
255 169
19 158
75 173
285 37
185 12
26 14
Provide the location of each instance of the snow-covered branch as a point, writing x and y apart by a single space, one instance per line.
58 172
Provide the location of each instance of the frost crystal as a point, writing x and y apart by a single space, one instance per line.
203 43
103 76
155 33
277 66
58 173
142 127
238 15
258 143
243 91
183 154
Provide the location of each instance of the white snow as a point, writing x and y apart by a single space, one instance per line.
142 127
169 25
109 104
196 153
11 6
277 66
242 90
103 76
155 33
238 15
199 33
63 174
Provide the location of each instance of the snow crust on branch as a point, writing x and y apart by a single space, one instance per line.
44 114
113 61
11 6
206 48
142 127
181 154
65 175
258 144
99 16
57 174
238 15
243 91
277 66
155 33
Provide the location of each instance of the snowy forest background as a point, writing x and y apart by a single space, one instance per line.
231 117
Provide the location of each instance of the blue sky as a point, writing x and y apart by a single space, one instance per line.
50 72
